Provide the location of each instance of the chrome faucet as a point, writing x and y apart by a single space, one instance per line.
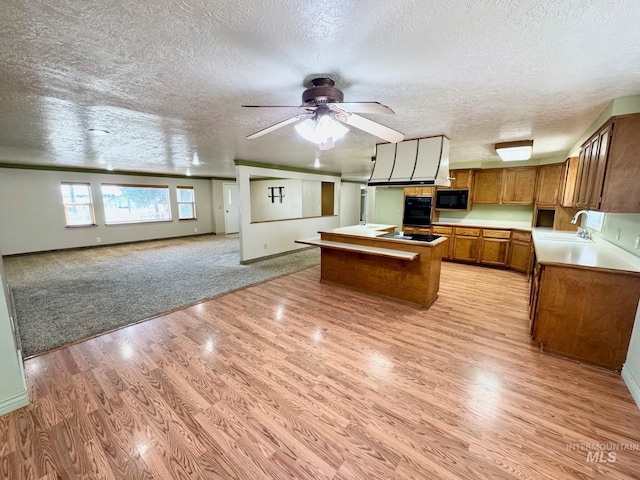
582 232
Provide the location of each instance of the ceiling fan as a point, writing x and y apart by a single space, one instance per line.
324 105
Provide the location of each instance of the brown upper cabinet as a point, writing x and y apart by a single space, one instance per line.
518 185
608 171
568 185
461 179
507 186
419 191
488 186
548 190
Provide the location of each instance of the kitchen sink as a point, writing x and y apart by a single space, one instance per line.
563 237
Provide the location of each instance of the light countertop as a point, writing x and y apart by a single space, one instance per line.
485 223
367 230
371 230
554 247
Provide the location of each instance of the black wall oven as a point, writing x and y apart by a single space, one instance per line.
417 211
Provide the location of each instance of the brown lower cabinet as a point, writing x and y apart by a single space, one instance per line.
420 230
466 243
446 232
521 251
488 246
584 314
494 247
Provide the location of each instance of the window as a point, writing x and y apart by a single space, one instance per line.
78 206
186 203
135 203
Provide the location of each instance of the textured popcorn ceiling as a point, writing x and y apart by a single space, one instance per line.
167 77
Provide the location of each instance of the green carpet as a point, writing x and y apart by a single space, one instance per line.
65 296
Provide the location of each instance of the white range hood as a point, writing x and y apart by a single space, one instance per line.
423 161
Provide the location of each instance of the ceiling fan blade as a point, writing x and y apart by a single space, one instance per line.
271 106
278 125
369 126
366 107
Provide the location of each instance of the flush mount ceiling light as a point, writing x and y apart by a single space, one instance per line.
512 151
322 130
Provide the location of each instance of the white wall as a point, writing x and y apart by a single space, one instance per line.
270 238
32 216
13 391
350 203
217 205
263 209
631 368
311 198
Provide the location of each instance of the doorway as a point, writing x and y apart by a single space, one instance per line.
231 211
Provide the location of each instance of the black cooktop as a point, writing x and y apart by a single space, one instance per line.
413 236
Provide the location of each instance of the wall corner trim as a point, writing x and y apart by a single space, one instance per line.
632 383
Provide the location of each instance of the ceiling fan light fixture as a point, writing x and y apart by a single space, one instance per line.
514 151
324 131
98 131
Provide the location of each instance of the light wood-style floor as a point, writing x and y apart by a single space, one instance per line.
297 379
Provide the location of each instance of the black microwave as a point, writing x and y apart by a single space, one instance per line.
452 199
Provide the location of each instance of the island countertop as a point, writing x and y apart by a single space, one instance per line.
367 230
374 230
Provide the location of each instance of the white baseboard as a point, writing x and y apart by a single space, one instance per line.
632 383
13 403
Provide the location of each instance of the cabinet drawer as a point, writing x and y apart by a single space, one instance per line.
442 230
521 236
472 232
496 233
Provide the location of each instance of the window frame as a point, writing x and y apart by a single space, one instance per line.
90 204
192 203
105 202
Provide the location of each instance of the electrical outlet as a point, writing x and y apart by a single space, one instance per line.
99 239
618 234
195 230
637 242
265 246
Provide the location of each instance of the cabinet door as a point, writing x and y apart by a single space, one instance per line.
569 181
488 186
494 251
465 248
461 179
579 176
518 186
598 167
548 189
533 298
446 253
591 175
446 232
520 256
590 151
419 191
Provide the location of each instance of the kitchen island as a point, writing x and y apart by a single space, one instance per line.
400 267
